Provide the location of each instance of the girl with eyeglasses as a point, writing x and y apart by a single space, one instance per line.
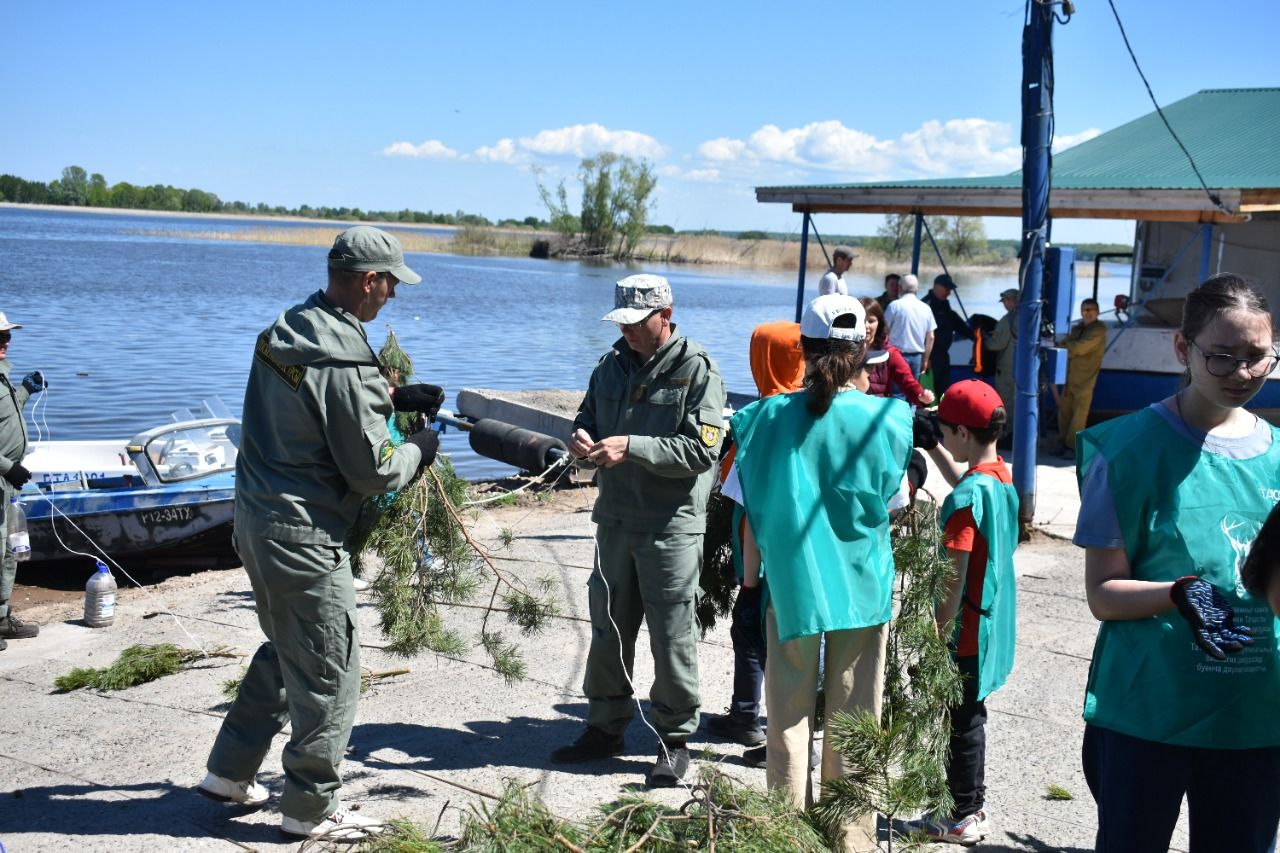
1185 678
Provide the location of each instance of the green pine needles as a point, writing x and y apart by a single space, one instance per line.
721 814
899 763
397 367
137 665
430 562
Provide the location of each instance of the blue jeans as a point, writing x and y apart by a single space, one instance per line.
915 361
1233 795
746 630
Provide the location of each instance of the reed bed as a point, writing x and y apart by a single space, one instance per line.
708 249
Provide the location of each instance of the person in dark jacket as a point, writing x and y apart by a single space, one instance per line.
950 326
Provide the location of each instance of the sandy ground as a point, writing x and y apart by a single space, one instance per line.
114 771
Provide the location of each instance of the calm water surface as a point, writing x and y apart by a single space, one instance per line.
127 327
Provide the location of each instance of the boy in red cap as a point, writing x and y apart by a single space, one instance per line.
980 533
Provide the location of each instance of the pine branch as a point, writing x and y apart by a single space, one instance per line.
899 761
136 665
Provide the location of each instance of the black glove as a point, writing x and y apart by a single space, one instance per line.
1210 616
17 475
917 471
34 382
428 441
926 432
419 398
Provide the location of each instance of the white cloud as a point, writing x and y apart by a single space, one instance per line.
431 149
502 151
1061 143
705 176
957 147
722 149
584 140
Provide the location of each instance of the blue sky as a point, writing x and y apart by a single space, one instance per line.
451 106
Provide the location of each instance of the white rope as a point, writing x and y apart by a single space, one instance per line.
608 600
54 511
561 461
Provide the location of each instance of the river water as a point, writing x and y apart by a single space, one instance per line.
128 326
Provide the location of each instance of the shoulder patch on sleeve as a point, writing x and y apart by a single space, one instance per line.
386 451
291 374
710 434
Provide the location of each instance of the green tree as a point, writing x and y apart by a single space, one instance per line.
896 235
562 219
99 194
963 237
73 188
124 194
617 196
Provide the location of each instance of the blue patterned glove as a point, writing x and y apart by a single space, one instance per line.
34 382
1210 616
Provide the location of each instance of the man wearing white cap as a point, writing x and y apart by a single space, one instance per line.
651 422
13 445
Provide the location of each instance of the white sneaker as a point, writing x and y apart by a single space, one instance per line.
361 584
967 831
342 827
226 791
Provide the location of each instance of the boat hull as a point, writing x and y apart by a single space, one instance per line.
173 523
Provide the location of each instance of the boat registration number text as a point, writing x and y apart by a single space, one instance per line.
168 513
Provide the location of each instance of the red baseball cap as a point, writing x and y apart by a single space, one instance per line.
969 403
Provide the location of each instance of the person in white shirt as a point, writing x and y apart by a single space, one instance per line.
911 325
833 282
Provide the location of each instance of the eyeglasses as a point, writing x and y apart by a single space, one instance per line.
1224 363
5 336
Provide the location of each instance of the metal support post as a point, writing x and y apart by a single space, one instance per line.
804 263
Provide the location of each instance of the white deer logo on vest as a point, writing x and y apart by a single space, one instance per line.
1240 532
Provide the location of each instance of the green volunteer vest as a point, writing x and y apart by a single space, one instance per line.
995 512
1183 511
816 491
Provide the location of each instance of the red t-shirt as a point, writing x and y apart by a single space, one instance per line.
962 534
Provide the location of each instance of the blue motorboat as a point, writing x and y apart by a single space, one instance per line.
165 497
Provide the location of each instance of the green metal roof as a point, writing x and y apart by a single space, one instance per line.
1233 134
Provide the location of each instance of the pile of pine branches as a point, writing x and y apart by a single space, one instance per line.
720 813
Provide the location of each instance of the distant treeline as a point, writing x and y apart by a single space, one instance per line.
78 188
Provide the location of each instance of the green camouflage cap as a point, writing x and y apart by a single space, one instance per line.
368 249
638 296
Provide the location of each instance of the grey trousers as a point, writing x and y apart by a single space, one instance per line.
8 563
306 673
655 578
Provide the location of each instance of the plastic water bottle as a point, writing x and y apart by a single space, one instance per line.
15 523
100 598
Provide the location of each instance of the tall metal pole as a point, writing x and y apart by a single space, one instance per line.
915 246
804 263
1037 121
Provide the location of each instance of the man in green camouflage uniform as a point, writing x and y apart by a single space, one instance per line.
652 422
314 445
13 476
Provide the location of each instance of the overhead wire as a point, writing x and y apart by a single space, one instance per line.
1213 197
